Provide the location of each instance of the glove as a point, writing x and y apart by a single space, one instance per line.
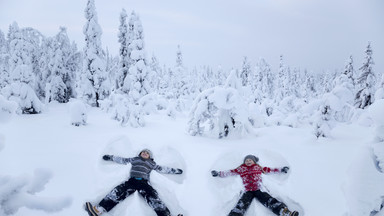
284 169
107 157
178 171
214 173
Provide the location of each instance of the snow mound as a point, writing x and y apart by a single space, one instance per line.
78 113
17 192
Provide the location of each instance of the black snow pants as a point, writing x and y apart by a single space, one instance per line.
122 191
264 198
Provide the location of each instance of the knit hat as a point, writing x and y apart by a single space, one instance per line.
252 157
149 152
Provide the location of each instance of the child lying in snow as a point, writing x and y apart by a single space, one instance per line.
138 181
250 172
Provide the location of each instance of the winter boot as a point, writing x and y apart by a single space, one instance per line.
93 210
285 212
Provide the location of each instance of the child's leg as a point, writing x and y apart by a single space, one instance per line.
243 204
118 194
151 196
268 201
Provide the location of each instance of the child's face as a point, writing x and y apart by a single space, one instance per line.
249 162
144 154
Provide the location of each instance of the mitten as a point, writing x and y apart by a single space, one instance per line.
214 173
284 169
178 171
107 157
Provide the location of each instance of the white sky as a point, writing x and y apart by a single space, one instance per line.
314 34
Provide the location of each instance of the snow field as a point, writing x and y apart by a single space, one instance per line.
323 176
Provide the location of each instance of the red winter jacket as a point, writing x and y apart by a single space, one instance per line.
251 175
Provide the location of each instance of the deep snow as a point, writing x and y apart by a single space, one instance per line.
328 176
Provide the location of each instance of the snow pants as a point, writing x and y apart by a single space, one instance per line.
264 198
122 191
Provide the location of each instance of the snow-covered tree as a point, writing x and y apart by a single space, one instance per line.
157 72
60 67
138 70
263 81
344 91
321 124
366 81
94 83
22 49
124 57
246 72
220 111
309 85
349 72
112 67
281 81
4 58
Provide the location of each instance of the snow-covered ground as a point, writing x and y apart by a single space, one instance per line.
328 176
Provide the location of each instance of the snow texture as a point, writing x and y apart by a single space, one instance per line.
339 174
17 192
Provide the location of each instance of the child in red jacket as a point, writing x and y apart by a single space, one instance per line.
250 172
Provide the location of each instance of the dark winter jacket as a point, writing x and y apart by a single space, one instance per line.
141 167
251 175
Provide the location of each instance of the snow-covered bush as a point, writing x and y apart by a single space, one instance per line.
125 111
78 112
219 112
376 111
24 96
17 192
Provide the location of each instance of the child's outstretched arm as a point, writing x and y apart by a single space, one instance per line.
275 170
117 159
223 174
167 170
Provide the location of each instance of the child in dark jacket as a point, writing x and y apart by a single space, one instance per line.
250 172
138 181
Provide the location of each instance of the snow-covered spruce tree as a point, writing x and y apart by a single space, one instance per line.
94 83
263 82
138 70
20 191
309 86
4 64
342 102
246 72
21 87
181 83
366 81
158 74
124 58
349 72
282 81
220 111
62 62
321 124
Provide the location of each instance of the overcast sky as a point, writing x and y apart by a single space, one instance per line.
314 34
